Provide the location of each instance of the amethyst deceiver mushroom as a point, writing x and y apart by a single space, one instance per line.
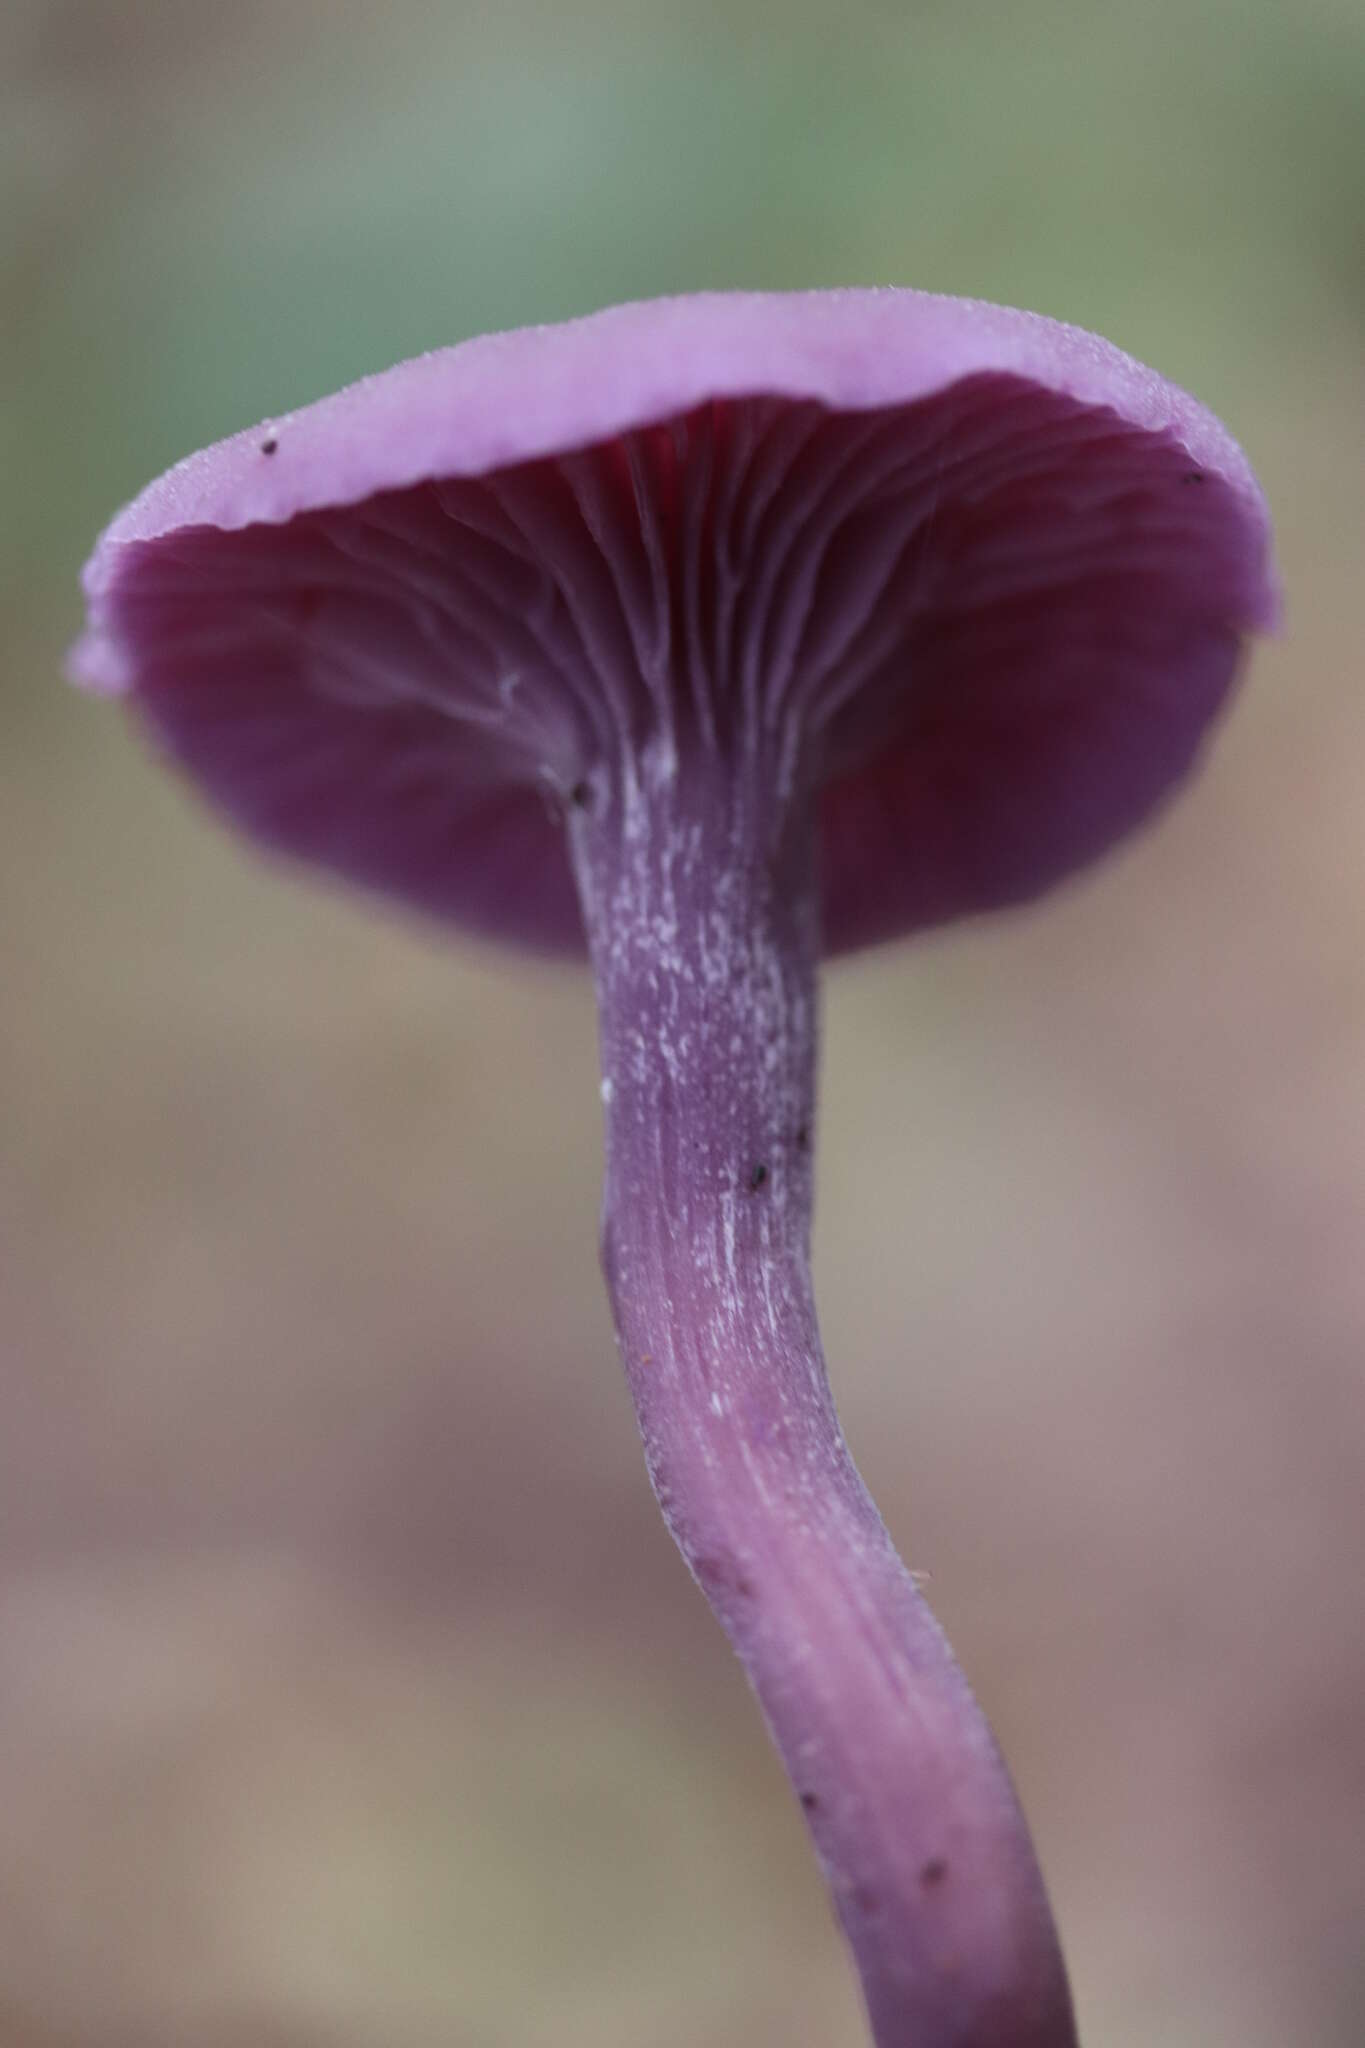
702 635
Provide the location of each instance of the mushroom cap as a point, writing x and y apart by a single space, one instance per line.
1001 572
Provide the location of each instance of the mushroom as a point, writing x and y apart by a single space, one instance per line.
705 635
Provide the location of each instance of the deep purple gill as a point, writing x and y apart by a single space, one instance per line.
1011 571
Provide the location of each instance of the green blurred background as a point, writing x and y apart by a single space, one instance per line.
350 1692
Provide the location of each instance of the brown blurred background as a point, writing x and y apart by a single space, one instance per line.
350 1692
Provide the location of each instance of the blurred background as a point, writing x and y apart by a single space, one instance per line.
350 1691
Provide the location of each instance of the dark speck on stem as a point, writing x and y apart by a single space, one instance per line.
270 444
758 1176
1193 476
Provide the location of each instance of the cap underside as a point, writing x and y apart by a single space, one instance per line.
998 615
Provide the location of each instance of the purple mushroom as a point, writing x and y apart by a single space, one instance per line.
706 635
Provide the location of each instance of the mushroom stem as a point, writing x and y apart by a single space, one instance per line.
699 897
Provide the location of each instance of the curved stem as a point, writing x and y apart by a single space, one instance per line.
700 906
